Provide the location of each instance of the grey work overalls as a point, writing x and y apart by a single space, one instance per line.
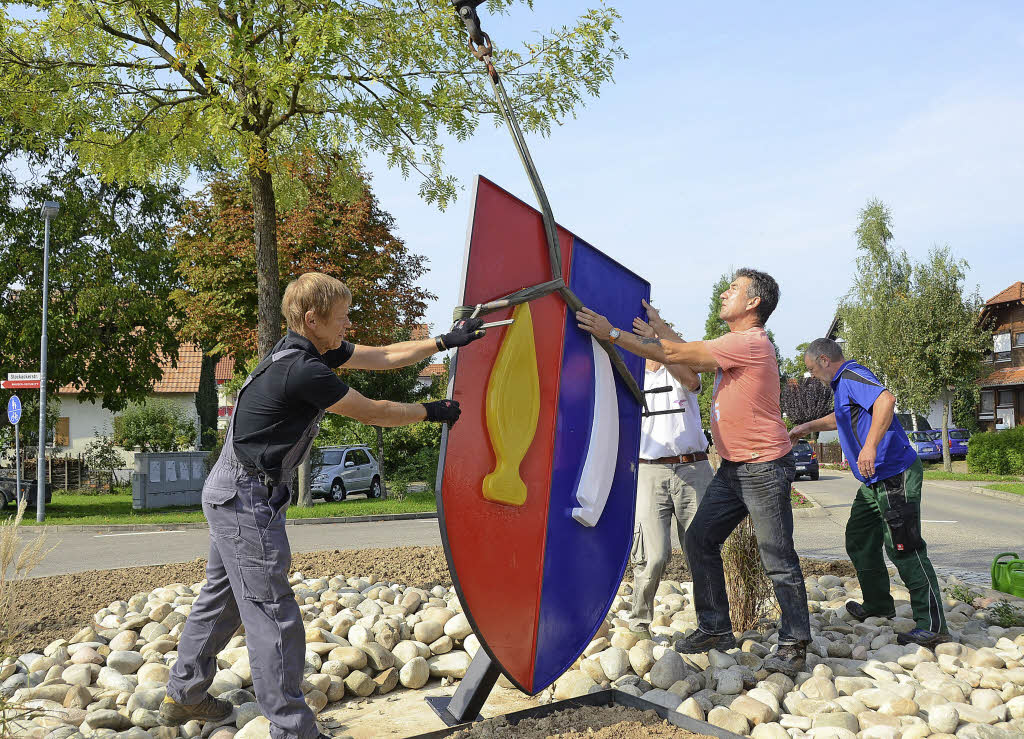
247 584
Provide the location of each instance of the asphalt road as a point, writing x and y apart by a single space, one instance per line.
964 532
78 551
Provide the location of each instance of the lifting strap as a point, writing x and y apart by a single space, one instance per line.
480 46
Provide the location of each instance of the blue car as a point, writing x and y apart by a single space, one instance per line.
957 441
925 445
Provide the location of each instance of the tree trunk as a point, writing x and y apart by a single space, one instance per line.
380 461
264 216
947 462
305 499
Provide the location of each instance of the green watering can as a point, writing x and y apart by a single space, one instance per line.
1015 573
1001 571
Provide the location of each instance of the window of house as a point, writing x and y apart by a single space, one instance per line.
988 404
1005 398
1018 339
1001 347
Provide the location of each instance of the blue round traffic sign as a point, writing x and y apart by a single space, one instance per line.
14 409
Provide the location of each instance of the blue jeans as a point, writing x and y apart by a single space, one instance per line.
762 490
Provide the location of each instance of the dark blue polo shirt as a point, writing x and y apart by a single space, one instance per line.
856 389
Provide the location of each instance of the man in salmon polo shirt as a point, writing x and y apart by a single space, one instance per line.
757 466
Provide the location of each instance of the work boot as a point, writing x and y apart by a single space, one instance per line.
789 659
856 610
701 641
209 708
923 637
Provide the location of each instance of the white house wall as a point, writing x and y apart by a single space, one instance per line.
87 419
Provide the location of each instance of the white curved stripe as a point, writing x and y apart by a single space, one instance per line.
603 448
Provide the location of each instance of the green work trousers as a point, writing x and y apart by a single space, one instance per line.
867 532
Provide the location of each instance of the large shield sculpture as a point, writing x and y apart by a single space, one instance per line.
538 478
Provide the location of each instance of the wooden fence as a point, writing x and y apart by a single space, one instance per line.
63 473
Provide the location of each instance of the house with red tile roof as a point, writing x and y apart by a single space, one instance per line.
81 421
1002 382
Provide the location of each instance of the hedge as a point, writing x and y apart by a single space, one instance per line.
998 452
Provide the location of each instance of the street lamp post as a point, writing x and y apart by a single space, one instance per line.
49 210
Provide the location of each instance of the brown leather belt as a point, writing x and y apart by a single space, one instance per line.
679 459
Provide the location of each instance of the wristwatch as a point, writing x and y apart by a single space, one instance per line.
614 334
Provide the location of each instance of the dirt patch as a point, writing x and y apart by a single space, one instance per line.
817 567
590 722
56 607
678 570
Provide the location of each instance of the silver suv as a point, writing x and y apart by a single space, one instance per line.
345 470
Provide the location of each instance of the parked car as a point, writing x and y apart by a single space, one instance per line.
28 488
806 459
925 445
344 470
957 441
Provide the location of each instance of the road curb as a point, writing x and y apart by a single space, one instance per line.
155 527
989 493
812 512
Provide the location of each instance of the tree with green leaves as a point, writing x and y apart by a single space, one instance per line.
151 89
351 239
111 274
713 328
795 368
947 339
914 324
875 313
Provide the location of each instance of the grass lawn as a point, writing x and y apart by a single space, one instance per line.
940 474
117 509
1009 487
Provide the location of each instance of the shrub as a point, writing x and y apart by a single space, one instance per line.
997 452
751 596
155 426
102 455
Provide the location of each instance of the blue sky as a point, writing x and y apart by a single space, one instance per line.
751 134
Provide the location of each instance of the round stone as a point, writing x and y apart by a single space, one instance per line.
943 719
125 662
729 720
669 669
154 673
458 627
615 663
428 631
573 684
414 673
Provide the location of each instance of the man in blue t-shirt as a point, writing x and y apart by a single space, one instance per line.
887 508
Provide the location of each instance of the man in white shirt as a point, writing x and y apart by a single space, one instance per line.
674 470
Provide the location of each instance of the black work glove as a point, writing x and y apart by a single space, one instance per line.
463 332
443 411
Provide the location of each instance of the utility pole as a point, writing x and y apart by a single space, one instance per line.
49 210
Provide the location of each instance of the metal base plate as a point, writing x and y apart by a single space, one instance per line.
439 705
